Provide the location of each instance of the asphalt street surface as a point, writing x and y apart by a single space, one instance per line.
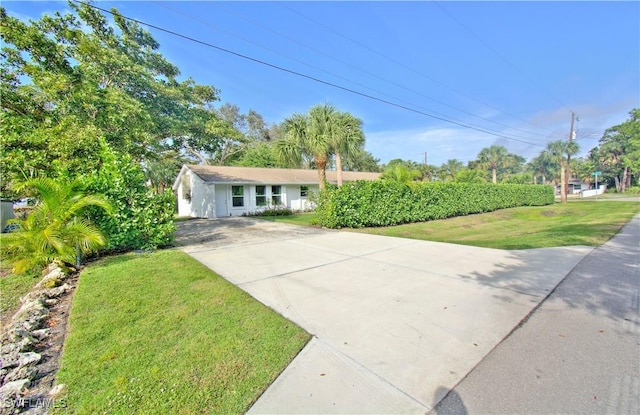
578 352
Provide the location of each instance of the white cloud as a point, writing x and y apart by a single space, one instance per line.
442 144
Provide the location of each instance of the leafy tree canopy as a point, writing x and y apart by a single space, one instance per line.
68 80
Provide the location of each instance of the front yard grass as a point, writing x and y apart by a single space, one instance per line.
160 333
301 219
575 223
12 287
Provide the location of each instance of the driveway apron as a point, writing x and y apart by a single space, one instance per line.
396 323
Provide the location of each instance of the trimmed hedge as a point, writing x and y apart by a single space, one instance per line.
383 203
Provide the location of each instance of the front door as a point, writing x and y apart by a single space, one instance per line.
222 197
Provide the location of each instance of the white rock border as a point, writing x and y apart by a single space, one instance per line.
18 359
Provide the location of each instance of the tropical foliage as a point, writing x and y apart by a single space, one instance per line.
619 152
141 219
319 135
57 228
387 202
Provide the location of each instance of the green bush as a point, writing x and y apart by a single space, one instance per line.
276 211
140 218
383 203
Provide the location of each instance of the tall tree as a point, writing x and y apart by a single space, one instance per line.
542 166
619 151
71 79
559 150
311 135
346 138
401 173
361 160
494 158
450 169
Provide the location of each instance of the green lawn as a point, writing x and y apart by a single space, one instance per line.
161 333
12 287
575 223
302 219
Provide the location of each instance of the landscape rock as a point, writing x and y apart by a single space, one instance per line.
57 390
31 309
24 372
52 279
20 377
41 334
37 295
17 333
9 360
14 389
29 358
58 291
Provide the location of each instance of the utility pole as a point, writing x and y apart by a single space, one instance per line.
568 174
426 168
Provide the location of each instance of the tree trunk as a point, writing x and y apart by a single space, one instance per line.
339 168
563 188
199 156
494 171
618 184
321 165
625 179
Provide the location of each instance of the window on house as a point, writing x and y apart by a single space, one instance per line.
304 191
237 196
261 195
276 195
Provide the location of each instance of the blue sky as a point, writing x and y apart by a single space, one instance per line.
514 69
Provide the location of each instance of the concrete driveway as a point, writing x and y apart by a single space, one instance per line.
397 323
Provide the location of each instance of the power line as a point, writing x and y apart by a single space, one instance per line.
282 4
479 39
292 72
253 22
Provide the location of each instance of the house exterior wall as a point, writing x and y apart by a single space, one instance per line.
195 197
200 197
203 199
183 195
296 200
224 198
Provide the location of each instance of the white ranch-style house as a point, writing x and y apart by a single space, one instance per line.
220 191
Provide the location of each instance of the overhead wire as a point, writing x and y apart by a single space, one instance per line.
309 77
390 59
297 42
346 79
498 54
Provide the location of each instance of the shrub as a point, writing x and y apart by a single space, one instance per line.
56 229
140 218
382 203
276 211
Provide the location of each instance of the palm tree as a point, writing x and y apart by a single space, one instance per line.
401 173
347 138
559 150
449 169
493 158
310 135
541 166
54 230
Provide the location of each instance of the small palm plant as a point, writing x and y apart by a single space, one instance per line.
55 229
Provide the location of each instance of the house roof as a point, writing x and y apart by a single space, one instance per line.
234 174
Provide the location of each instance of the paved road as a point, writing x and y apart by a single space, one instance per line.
396 322
578 353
